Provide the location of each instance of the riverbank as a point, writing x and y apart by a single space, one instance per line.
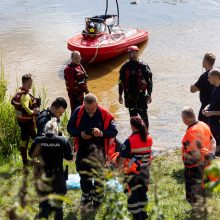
166 192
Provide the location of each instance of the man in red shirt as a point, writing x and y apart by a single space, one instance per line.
75 78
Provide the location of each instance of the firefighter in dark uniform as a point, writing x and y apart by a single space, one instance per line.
135 81
26 108
76 81
51 149
94 130
56 109
134 158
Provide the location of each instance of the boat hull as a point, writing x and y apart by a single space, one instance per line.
104 47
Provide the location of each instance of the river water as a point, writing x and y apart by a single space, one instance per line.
33 35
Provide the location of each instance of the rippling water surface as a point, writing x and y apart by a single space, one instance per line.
33 36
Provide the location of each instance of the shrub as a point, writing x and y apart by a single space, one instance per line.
9 131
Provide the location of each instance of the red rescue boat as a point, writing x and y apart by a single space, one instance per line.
103 39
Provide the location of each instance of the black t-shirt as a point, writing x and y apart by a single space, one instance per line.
205 88
215 106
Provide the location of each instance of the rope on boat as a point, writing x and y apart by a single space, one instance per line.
95 55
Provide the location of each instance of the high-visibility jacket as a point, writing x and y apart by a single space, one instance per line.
140 154
21 114
107 118
196 144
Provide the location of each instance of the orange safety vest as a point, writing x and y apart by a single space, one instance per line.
21 114
107 118
140 149
196 144
141 152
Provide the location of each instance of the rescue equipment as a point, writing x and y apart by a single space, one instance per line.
103 38
20 112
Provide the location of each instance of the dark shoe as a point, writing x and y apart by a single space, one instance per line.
23 152
25 164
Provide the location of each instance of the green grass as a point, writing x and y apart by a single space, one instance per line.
166 192
168 180
9 131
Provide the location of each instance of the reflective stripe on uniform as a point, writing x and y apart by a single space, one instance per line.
85 196
138 150
137 204
131 161
22 117
98 197
145 164
94 198
142 157
16 103
135 211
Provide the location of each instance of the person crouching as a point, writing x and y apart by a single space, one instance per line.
51 149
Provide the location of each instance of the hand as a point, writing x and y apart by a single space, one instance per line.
97 133
207 113
74 156
206 108
149 100
85 136
120 99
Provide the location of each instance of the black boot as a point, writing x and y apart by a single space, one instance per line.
23 151
137 216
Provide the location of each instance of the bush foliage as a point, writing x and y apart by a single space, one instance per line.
9 135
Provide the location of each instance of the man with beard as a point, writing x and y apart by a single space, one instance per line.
135 81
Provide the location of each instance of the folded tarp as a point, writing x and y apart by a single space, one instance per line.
73 182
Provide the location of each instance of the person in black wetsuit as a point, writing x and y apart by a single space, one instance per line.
51 149
135 80
203 85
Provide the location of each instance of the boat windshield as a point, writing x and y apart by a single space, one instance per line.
95 25
100 24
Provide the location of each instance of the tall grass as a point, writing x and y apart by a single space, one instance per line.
44 98
3 83
9 130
